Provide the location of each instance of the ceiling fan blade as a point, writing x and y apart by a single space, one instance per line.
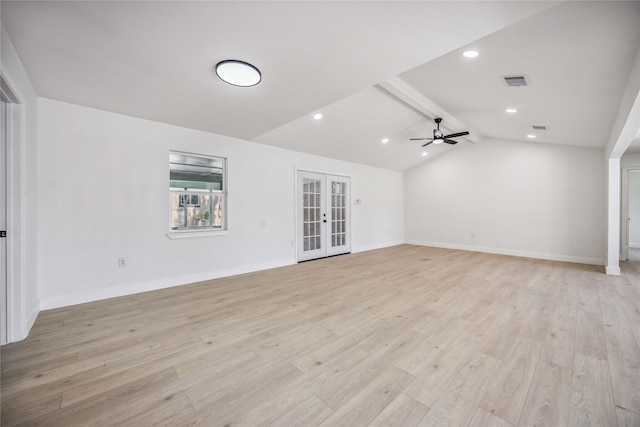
450 141
418 139
424 145
453 135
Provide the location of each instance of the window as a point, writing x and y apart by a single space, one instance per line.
197 185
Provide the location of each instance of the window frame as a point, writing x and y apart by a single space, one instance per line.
186 233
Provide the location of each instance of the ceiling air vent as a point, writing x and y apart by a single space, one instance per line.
538 127
515 81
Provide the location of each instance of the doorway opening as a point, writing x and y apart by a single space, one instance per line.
630 221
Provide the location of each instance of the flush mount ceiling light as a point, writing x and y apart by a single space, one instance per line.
510 110
385 140
424 154
238 73
470 53
317 116
531 136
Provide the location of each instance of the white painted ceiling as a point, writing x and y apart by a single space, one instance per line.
374 69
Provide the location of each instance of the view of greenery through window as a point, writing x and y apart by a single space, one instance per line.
197 186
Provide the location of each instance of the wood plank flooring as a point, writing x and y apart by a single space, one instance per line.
403 336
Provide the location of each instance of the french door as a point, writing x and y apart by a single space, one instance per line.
323 215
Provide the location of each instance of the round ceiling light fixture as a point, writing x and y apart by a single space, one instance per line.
470 53
317 116
238 73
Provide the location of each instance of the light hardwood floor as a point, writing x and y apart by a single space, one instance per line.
403 336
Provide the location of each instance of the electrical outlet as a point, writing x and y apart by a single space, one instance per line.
122 262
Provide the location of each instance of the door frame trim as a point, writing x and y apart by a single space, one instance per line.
624 212
17 328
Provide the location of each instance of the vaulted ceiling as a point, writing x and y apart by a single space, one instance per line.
373 69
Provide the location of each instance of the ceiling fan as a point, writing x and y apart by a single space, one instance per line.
438 137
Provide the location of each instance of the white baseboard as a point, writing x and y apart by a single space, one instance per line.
33 315
22 329
612 271
136 288
378 246
512 252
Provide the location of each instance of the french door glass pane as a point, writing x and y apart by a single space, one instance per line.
338 214
311 214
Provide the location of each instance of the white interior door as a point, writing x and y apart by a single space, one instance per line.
312 216
323 215
339 219
632 209
3 222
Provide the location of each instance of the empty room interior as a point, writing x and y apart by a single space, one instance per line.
320 213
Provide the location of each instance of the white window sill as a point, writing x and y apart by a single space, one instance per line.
192 234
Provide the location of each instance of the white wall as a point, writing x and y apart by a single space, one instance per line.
631 160
634 208
24 291
103 192
529 199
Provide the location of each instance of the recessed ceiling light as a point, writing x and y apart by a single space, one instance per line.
238 73
424 154
317 116
470 53
385 140
510 110
531 136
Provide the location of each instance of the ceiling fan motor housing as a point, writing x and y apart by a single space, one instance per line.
437 133
439 137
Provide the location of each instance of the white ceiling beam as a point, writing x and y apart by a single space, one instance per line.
410 96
